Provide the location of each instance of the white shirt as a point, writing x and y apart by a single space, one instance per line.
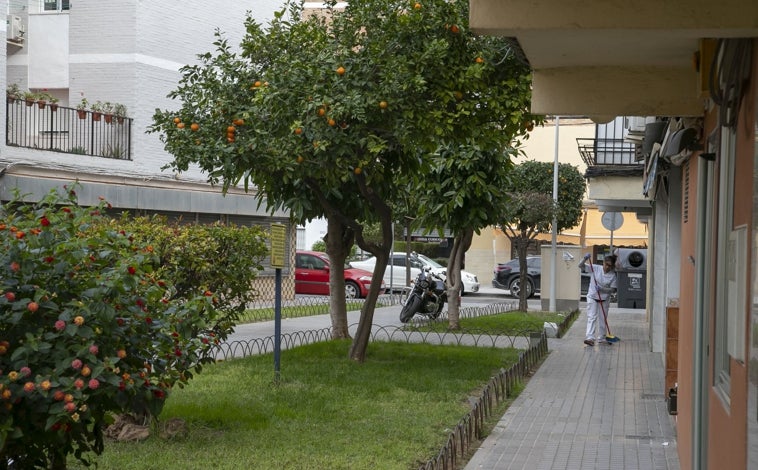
599 276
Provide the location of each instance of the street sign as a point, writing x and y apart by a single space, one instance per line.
612 220
278 238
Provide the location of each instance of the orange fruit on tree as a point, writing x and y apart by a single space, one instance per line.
340 70
331 122
383 104
454 29
230 139
298 130
180 125
239 122
231 129
300 159
358 170
177 120
321 111
417 6
257 83
195 126
479 60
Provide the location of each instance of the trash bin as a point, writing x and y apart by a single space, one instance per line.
632 278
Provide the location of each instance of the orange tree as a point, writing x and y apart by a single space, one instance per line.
337 114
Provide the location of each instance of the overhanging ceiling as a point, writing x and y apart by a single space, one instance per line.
615 58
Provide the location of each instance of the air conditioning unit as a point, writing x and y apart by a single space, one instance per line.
15 29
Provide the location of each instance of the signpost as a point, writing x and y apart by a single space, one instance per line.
612 221
278 239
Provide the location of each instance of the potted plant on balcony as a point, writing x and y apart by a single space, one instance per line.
119 110
107 110
81 108
53 104
13 93
30 97
43 98
97 110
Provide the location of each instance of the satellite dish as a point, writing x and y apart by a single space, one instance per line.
612 220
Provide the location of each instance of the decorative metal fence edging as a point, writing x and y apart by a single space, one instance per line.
471 427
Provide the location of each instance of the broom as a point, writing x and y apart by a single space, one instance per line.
608 336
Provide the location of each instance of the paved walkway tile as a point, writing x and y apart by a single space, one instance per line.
600 407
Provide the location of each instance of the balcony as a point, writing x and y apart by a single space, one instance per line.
45 126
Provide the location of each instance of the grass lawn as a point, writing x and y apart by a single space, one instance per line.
395 411
296 311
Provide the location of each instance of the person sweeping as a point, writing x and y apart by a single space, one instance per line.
602 285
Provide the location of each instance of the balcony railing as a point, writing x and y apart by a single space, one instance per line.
46 126
596 152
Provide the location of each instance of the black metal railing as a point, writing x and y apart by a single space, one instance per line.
47 126
596 152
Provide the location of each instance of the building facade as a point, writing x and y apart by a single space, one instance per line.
92 55
693 66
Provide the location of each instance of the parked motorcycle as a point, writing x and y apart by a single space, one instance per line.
427 297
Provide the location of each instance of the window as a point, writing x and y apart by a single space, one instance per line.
56 5
726 254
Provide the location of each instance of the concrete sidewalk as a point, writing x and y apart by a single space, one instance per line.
600 407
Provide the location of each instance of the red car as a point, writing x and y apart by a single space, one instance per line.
312 276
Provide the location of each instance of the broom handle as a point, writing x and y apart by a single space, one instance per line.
602 303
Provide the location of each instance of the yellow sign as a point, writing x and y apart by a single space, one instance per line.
278 242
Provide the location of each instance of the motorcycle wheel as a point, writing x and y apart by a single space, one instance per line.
410 308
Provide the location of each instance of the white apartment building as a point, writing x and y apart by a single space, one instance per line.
127 52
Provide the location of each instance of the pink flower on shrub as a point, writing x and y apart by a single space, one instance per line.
45 385
59 395
131 270
86 371
79 384
93 384
94 349
44 221
70 407
29 387
60 325
79 321
148 320
76 364
121 353
25 371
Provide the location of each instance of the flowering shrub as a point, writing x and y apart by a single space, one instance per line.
213 258
88 326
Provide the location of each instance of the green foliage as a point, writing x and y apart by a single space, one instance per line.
87 326
531 178
218 259
531 208
319 245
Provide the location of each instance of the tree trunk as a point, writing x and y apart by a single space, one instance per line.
453 282
339 239
363 333
521 248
